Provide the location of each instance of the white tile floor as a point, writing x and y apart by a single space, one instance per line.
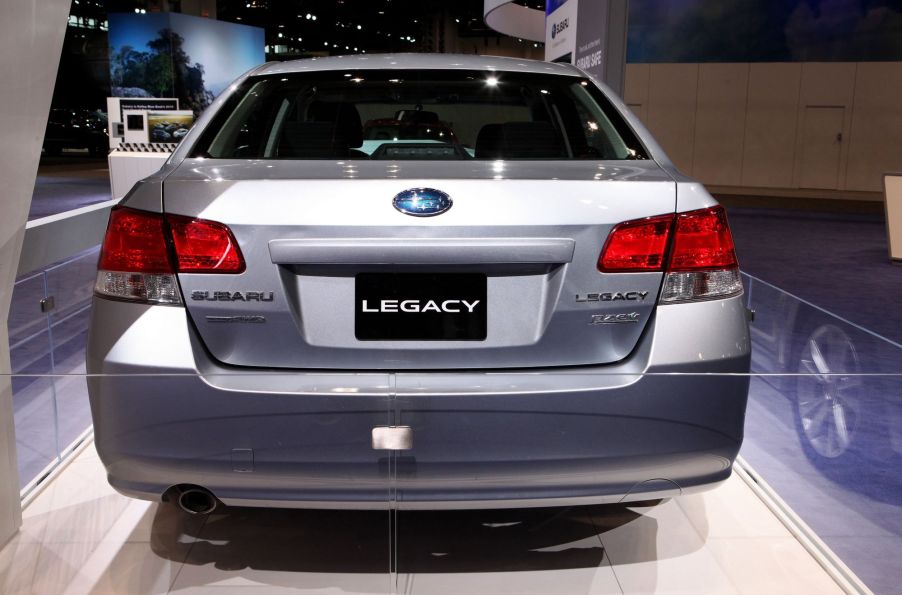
79 536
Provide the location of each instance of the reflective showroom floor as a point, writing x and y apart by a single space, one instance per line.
79 536
823 429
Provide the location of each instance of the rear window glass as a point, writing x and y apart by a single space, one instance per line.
404 115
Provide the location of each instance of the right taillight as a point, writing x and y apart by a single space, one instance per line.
694 248
142 252
702 263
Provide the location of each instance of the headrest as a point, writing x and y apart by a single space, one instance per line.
310 140
519 140
345 118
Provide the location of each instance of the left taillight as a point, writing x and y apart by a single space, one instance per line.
134 260
203 246
142 252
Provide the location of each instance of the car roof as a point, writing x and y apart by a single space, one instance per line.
415 62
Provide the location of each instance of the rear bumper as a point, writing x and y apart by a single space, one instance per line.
658 424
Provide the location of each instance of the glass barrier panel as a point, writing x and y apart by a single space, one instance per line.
831 448
71 284
25 316
791 336
34 399
824 427
35 417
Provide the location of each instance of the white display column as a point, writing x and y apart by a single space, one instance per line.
31 41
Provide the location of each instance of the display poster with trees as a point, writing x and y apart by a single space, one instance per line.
176 55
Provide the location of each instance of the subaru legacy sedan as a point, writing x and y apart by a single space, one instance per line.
527 306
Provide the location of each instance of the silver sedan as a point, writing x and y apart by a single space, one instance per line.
478 281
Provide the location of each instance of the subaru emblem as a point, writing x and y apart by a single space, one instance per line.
422 202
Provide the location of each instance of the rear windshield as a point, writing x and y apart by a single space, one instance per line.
405 115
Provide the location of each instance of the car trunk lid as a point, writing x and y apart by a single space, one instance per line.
336 277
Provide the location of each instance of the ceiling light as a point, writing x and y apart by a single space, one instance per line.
491 81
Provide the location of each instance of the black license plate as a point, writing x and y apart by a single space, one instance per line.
420 307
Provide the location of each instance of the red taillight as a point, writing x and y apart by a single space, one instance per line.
135 263
204 246
135 242
636 246
699 258
702 240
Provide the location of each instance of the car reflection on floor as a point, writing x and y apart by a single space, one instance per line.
824 427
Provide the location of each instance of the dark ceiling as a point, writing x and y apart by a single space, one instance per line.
355 26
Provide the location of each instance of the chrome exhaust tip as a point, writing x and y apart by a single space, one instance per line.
197 500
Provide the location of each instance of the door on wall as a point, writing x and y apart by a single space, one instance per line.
821 144
638 109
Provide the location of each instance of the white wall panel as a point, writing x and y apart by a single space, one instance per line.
770 125
875 141
635 93
720 123
670 113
